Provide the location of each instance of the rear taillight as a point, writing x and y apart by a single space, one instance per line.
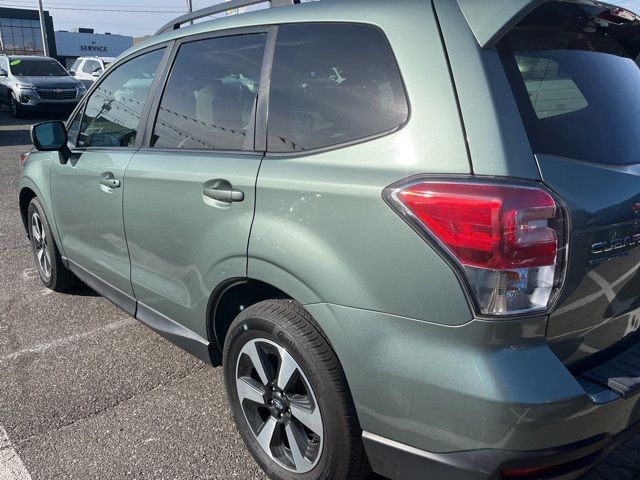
508 240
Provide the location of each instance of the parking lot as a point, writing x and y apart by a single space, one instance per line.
86 392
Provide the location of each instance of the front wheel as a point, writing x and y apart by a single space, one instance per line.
289 396
52 271
15 107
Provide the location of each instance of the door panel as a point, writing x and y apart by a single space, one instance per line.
183 243
189 198
87 190
89 215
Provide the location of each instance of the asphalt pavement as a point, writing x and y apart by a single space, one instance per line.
86 392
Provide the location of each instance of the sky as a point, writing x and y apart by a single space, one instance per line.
124 17
139 18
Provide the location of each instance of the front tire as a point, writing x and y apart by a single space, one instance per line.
15 107
52 271
290 397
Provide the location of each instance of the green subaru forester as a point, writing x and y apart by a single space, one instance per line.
408 230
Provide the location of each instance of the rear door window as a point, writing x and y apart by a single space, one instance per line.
210 99
574 74
332 84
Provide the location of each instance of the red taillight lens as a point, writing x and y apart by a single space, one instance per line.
508 239
487 226
524 473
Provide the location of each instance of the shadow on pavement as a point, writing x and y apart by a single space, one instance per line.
82 290
12 138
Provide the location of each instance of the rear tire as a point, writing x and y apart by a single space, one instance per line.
297 395
52 271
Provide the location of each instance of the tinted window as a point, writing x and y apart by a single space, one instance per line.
331 84
113 112
211 94
89 66
73 129
573 71
75 65
21 67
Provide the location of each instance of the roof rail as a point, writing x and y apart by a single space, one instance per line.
220 8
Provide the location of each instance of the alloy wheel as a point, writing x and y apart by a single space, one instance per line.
279 405
41 245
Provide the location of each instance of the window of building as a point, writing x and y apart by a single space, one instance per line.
332 84
211 95
20 37
113 111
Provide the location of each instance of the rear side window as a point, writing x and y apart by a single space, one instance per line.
574 74
210 98
332 84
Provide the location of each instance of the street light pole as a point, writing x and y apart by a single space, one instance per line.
43 30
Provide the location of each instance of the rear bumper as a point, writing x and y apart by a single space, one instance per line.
468 402
399 462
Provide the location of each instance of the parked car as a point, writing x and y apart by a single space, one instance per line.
29 83
408 231
88 69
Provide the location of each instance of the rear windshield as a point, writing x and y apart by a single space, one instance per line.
574 72
36 68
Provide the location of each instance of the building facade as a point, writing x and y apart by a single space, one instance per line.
85 43
20 32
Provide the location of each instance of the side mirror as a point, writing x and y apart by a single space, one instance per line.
96 73
3 73
72 73
51 137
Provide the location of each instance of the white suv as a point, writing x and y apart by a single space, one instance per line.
88 69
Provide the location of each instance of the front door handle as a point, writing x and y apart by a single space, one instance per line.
108 180
223 192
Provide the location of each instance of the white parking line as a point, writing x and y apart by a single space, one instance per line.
64 341
11 467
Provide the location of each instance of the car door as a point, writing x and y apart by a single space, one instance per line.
190 194
87 190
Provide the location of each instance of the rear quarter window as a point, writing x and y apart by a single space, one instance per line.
332 84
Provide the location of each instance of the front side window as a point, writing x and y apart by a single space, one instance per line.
112 115
574 74
23 67
73 129
90 66
210 98
76 65
332 84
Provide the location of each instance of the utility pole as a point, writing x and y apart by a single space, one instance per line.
43 30
190 7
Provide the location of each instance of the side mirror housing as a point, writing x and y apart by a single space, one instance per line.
3 73
72 73
51 137
96 73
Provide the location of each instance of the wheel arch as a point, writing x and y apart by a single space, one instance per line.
225 303
25 196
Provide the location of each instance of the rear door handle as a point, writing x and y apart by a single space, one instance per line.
107 179
224 192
